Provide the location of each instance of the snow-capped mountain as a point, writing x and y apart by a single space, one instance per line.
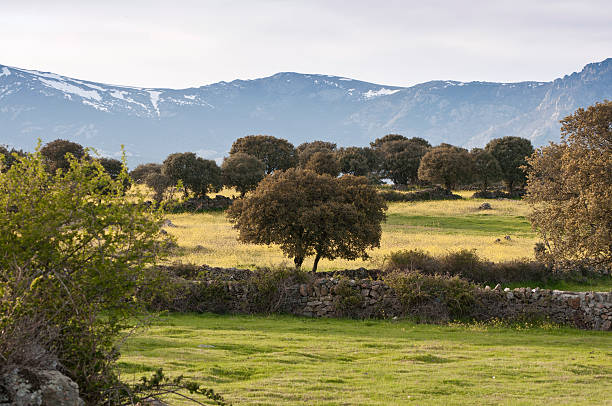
153 122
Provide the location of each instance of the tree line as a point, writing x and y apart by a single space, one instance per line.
404 161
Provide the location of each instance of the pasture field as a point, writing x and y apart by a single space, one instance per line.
433 226
283 360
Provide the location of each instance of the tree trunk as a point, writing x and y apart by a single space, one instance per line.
485 186
316 262
298 262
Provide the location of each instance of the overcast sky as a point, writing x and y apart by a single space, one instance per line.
181 44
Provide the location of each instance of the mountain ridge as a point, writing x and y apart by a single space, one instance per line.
153 122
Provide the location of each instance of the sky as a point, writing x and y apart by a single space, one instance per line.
179 44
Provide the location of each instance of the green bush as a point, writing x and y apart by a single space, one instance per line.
412 260
72 252
465 263
167 292
417 291
270 287
348 299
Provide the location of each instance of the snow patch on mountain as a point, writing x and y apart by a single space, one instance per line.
119 94
68 88
154 99
380 92
95 105
5 71
90 85
47 75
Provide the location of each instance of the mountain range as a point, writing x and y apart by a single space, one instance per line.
154 122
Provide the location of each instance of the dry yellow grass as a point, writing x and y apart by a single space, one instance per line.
436 227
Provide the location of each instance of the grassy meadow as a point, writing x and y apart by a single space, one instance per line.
283 360
433 226
286 360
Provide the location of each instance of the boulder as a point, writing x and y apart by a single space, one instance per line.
37 387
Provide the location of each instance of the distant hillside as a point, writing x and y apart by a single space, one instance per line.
299 107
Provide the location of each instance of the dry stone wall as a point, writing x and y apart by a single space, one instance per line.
588 310
361 293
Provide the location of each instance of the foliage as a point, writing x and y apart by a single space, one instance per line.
199 175
415 290
270 287
511 154
401 159
569 186
498 194
198 204
164 290
306 150
486 168
9 157
306 213
358 161
467 264
348 299
275 153
72 251
242 171
55 152
421 141
412 260
446 165
188 288
379 142
323 163
463 261
159 183
159 385
436 193
112 166
140 173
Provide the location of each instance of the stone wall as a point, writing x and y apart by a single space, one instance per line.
588 310
363 294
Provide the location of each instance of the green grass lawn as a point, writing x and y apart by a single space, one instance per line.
283 360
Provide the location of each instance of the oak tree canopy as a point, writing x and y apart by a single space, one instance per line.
310 214
569 186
